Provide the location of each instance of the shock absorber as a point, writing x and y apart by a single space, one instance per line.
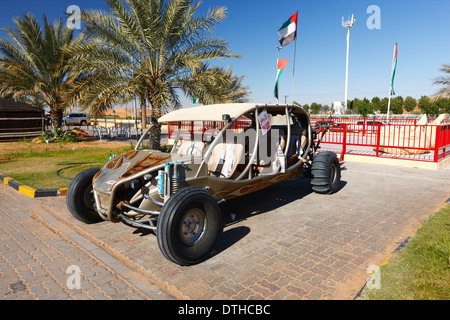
167 183
175 178
160 179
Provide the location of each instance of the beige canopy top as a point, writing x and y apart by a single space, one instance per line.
214 112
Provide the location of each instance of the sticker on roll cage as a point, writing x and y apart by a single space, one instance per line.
264 122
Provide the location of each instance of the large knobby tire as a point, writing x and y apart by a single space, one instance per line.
325 173
189 226
80 198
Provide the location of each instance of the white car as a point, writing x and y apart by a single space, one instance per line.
76 118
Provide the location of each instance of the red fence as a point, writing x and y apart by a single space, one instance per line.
400 139
394 140
189 128
359 120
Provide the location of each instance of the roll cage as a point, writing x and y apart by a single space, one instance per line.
297 133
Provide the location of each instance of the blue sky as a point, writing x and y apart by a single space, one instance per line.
421 28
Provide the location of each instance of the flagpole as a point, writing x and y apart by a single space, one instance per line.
278 58
390 87
389 105
293 68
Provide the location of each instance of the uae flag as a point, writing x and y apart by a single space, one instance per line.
394 66
288 31
281 64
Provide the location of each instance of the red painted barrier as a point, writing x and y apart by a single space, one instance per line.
189 128
400 138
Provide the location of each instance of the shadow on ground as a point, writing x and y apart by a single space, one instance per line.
237 210
240 209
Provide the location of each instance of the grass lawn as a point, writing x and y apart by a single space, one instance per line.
421 270
35 165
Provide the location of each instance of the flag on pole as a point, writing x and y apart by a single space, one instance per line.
288 31
391 89
394 66
281 64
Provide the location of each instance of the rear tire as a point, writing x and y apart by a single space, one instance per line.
80 198
189 226
325 173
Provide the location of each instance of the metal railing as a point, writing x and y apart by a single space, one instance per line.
394 140
400 138
190 128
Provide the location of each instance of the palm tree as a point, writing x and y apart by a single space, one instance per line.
226 87
234 91
152 50
444 80
34 66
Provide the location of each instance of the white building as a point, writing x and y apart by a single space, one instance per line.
338 107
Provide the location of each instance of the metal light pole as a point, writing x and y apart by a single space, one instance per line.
347 24
278 48
278 57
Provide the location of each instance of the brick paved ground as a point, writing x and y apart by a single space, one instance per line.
287 242
35 257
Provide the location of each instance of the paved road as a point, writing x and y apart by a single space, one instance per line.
284 242
41 258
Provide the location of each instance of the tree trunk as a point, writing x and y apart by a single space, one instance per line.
56 115
155 131
143 113
155 137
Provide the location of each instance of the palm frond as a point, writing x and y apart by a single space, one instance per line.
151 49
443 81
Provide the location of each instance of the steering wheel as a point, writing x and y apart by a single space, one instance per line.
317 128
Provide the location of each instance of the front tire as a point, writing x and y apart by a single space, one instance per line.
325 173
189 226
80 198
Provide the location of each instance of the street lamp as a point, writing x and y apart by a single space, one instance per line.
347 24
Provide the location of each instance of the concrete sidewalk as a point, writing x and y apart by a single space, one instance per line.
284 242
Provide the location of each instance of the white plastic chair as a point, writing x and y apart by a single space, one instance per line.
113 132
100 132
125 131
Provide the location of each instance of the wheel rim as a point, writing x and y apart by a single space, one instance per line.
333 173
192 226
88 197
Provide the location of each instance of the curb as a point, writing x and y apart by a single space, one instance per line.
385 261
94 249
31 192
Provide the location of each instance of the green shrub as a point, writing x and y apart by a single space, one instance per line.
59 134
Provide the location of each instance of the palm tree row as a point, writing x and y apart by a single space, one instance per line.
34 65
152 50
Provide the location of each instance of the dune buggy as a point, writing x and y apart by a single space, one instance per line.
237 149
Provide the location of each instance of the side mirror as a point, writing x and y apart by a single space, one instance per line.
226 117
